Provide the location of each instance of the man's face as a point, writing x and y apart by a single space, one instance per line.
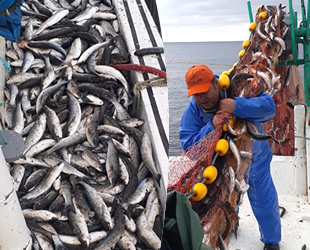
209 99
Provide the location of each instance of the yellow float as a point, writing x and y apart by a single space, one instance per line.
224 81
245 44
221 147
209 174
252 26
231 124
200 191
262 15
241 53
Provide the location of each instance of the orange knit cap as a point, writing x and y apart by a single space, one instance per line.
198 79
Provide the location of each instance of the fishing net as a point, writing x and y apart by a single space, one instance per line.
254 74
186 169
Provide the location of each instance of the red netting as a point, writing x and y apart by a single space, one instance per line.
185 169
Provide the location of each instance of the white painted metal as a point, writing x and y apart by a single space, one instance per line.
307 125
2 75
160 93
14 234
300 150
141 32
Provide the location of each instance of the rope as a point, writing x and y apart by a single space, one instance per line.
139 86
6 65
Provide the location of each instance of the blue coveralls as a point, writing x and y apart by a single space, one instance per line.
195 124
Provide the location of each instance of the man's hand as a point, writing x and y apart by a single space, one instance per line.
218 119
227 105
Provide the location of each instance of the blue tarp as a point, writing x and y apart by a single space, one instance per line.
10 25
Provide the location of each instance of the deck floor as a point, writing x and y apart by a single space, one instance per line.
295 226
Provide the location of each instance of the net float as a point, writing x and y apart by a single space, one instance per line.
241 53
199 191
231 124
209 174
224 81
221 147
252 26
258 9
262 15
245 44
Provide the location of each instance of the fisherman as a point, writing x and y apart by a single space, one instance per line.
205 112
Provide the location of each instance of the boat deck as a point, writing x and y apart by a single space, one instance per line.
295 222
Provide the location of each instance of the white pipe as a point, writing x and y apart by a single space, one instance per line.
307 185
14 234
300 150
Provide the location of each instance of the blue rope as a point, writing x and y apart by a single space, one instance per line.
6 65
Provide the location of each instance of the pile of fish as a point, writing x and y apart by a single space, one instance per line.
87 178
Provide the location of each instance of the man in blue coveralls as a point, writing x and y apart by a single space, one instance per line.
205 112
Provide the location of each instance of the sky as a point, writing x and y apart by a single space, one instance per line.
210 20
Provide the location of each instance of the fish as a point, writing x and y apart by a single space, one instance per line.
45 184
80 166
147 156
40 146
115 234
41 215
53 123
98 205
17 172
52 20
79 225
146 234
36 132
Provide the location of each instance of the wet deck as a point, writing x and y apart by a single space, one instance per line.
295 222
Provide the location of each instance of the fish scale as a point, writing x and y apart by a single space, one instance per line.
65 39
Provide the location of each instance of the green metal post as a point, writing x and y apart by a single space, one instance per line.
250 11
307 59
303 12
292 32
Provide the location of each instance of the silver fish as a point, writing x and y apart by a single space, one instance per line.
42 215
45 184
27 62
142 191
18 120
93 237
234 149
60 14
74 115
146 234
36 132
147 156
45 93
49 74
98 205
17 173
112 164
79 225
86 14
116 233
40 146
